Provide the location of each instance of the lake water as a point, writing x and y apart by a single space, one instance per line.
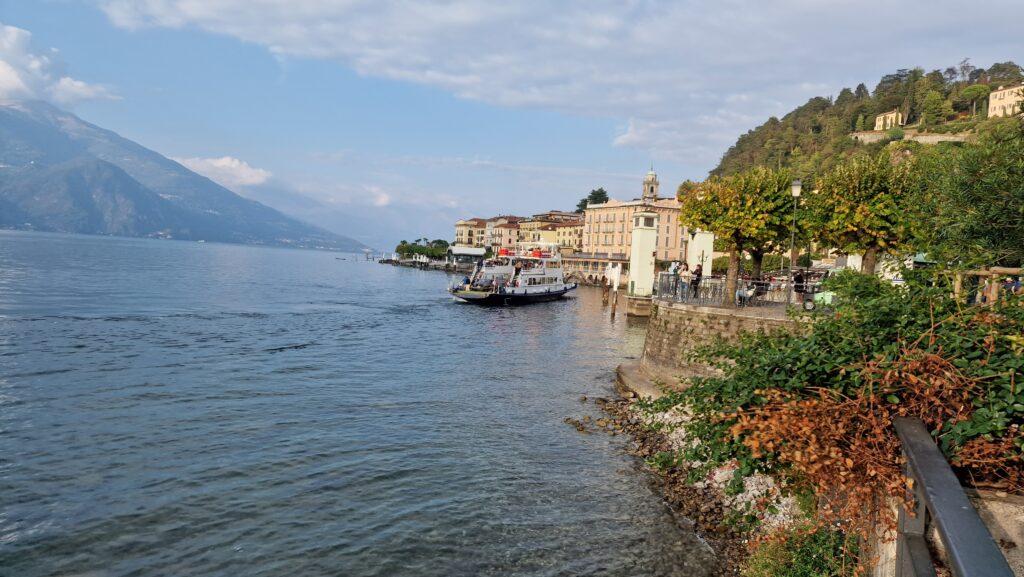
171 408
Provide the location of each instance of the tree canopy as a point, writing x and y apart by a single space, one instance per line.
975 198
863 205
815 137
746 211
596 196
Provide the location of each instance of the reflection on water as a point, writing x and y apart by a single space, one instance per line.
171 408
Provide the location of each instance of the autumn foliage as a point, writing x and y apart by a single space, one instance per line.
845 449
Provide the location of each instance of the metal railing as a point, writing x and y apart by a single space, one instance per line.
970 549
710 291
706 292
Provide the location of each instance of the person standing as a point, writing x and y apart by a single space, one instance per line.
798 286
698 273
685 276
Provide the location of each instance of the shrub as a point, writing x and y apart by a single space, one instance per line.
816 404
805 551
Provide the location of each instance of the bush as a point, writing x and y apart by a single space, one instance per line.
803 552
895 133
816 404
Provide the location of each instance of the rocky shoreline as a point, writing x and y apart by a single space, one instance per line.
703 506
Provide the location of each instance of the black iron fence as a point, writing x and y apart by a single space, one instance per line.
970 549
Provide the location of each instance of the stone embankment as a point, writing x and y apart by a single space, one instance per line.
676 330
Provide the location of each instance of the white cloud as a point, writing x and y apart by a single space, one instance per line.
380 198
27 73
688 76
227 171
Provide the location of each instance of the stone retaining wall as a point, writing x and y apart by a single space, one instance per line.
675 329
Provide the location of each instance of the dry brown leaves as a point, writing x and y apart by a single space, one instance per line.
846 448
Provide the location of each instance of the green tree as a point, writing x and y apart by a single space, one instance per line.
973 94
596 196
976 196
863 205
931 109
746 211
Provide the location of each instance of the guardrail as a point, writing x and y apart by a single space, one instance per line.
707 292
710 291
970 549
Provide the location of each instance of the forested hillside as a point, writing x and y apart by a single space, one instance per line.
815 136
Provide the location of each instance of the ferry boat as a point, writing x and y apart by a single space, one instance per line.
530 273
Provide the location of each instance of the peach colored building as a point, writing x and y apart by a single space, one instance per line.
608 228
1006 101
506 235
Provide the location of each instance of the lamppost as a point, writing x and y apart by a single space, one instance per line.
792 239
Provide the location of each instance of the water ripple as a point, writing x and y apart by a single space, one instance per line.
212 410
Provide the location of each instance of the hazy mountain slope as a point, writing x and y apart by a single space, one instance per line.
43 144
87 196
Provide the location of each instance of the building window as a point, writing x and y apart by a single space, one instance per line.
649 221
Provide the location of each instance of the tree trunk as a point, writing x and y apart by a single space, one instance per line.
731 275
794 255
757 263
870 261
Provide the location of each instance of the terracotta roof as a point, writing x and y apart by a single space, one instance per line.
507 225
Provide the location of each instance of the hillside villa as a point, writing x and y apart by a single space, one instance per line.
1006 101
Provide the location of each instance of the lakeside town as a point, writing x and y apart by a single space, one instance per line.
686 289
896 265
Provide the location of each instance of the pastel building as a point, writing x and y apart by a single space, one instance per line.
608 233
569 235
887 120
1006 101
506 235
471 232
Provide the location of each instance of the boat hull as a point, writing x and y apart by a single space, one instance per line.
511 298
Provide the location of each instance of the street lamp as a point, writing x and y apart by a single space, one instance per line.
792 238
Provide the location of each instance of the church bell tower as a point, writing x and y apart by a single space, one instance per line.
650 186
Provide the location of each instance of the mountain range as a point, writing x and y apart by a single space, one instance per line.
59 173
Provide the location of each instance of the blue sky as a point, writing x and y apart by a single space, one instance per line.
389 120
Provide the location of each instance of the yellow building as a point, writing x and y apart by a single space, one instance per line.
569 235
528 226
545 232
1006 101
471 232
888 120
608 229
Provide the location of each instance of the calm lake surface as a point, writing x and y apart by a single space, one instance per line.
171 408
